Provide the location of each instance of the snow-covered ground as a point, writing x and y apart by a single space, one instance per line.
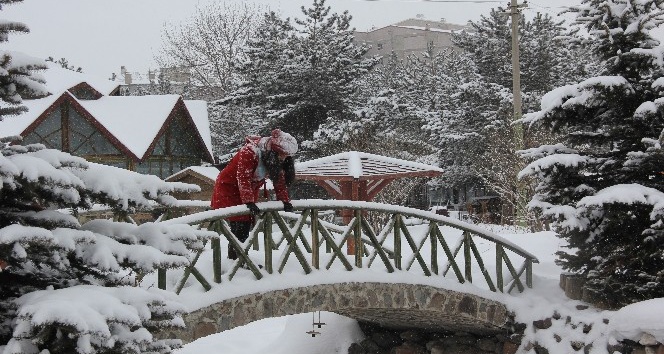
288 334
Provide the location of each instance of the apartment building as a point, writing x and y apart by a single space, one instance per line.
412 36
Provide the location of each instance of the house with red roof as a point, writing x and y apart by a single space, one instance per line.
159 135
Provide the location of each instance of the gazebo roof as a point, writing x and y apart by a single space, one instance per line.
355 165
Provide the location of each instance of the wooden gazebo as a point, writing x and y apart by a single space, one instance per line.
359 176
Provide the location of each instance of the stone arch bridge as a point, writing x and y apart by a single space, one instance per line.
386 246
389 305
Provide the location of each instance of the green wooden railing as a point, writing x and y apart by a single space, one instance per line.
275 227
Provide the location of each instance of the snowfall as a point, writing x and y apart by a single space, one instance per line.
545 300
288 334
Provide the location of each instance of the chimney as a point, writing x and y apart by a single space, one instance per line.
127 77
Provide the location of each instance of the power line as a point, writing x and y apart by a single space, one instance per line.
453 1
531 2
551 10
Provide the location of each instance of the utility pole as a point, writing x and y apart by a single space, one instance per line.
515 14
520 193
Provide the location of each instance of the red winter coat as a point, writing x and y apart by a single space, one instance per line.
239 182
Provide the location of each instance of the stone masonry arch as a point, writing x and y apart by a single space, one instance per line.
386 304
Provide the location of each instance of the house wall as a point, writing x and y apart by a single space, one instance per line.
65 128
206 188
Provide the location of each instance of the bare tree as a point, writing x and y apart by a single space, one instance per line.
208 44
505 164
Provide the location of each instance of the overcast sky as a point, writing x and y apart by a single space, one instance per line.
102 35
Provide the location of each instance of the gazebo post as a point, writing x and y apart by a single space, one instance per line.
355 190
346 194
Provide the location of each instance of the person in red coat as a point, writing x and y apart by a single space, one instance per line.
240 181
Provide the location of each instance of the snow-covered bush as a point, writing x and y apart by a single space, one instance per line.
65 287
94 319
87 269
603 183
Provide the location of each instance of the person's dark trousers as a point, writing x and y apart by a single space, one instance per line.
241 230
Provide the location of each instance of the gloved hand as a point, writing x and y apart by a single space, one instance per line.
288 207
253 209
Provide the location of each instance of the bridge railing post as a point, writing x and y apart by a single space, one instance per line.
397 241
499 267
529 272
357 238
268 242
315 240
161 278
433 238
216 260
466 256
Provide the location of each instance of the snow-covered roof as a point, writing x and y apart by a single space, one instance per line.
423 25
432 29
361 165
208 172
59 79
134 120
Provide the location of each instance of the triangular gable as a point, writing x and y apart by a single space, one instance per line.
84 91
199 114
15 125
134 120
180 105
67 97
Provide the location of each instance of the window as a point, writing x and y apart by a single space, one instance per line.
49 132
84 139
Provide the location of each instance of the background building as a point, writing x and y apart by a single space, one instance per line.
412 36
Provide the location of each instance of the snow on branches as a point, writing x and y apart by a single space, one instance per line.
588 93
603 186
43 246
75 182
91 319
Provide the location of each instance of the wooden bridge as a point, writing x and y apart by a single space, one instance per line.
388 239
382 237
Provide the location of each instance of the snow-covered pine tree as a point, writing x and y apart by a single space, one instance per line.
602 185
387 116
489 45
543 67
302 75
245 109
66 287
456 116
18 78
89 271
